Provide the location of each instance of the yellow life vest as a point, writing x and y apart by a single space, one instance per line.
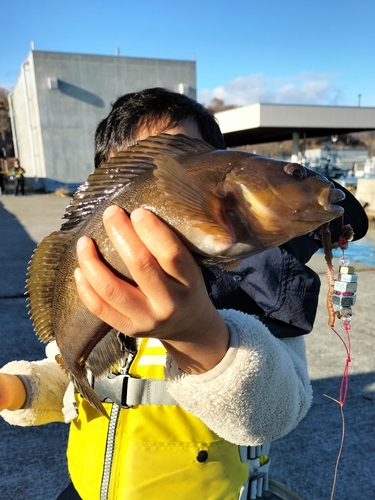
151 451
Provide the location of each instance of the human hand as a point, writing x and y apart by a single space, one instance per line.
12 392
169 302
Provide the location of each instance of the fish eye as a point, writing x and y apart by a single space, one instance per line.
295 170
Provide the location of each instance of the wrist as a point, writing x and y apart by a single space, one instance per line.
198 354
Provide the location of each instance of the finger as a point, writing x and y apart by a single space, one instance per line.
166 280
96 272
173 256
98 307
102 292
141 263
183 282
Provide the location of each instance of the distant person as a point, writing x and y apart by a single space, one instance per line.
19 178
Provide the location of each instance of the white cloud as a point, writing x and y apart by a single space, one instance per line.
303 88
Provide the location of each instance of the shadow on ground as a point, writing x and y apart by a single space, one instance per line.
32 460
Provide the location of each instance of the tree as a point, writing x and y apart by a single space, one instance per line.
6 143
217 105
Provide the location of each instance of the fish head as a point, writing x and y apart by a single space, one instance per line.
281 200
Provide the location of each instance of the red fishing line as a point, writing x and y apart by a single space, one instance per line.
340 298
344 384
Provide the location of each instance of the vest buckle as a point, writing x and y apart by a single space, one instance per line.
113 389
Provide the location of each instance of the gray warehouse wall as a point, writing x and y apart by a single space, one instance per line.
68 96
25 114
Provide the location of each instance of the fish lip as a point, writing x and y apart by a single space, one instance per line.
329 197
336 195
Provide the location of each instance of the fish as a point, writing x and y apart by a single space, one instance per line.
225 205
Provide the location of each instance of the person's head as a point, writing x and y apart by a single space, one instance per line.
16 163
153 111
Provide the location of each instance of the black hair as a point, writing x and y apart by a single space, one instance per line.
148 108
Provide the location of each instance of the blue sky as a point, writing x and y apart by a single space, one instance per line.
286 51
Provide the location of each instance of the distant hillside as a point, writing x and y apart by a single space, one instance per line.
358 140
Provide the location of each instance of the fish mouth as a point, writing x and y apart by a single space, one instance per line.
328 199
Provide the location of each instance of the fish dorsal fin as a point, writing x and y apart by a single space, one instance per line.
123 168
190 198
42 272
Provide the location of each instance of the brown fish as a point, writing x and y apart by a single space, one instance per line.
225 205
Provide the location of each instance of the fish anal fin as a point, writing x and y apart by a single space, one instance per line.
42 272
82 385
106 354
191 199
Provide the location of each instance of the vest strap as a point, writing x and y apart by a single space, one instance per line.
128 391
257 458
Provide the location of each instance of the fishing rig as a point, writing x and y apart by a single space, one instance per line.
341 297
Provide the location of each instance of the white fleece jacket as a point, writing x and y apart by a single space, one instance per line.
257 393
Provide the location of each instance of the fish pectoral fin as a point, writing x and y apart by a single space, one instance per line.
228 266
59 360
191 199
122 169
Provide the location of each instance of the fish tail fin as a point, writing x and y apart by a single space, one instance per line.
84 388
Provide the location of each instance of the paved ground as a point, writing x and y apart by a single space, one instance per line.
32 460
305 459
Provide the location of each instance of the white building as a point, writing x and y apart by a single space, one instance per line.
59 99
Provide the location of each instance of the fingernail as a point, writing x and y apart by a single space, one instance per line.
138 214
77 274
112 210
82 243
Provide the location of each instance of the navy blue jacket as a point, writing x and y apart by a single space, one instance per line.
275 285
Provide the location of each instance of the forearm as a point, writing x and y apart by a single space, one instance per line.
257 393
45 385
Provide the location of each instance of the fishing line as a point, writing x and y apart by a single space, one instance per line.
341 297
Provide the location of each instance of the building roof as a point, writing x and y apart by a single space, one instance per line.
260 123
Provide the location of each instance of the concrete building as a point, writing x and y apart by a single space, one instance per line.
260 123
59 99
